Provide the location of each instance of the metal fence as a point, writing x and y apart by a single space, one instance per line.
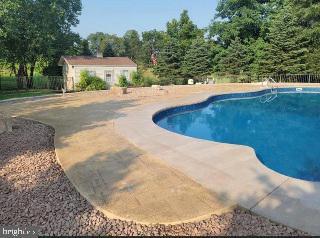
279 78
8 83
296 78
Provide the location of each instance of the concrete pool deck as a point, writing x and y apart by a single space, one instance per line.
118 178
142 183
231 171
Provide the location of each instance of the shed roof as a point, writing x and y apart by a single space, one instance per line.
90 60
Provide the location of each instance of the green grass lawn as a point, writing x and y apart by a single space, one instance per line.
24 93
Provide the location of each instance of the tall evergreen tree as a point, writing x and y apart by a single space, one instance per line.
259 51
132 44
287 50
183 30
84 48
308 12
313 60
236 59
197 61
169 61
180 34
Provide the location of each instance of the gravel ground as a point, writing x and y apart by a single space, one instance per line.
35 191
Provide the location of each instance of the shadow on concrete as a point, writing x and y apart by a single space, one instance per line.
100 178
36 192
294 203
71 115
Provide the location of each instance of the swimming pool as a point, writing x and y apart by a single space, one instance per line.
284 132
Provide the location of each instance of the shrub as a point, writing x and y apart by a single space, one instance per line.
123 82
148 81
91 83
90 88
96 84
165 81
137 79
84 80
180 81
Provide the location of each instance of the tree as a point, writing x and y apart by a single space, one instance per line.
176 43
106 44
240 19
308 13
169 61
266 36
132 44
183 30
236 59
84 48
313 60
97 42
28 35
114 46
287 50
65 44
197 61
259 49
118 46
152 43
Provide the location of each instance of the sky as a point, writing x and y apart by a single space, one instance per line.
118 16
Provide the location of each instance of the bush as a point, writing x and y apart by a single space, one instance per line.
148 81
84 80
165 81
123 82
91 83
97 84
180 81
137 79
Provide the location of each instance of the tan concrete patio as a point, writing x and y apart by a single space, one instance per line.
117 177
127 182
230 171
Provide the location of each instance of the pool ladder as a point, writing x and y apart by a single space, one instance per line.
269 83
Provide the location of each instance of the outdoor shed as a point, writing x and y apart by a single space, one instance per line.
106 68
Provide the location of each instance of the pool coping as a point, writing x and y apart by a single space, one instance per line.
233 172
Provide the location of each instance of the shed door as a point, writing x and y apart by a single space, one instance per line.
108 76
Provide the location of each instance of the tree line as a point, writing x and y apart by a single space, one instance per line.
252 37
34 33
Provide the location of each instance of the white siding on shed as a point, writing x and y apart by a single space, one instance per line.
101 71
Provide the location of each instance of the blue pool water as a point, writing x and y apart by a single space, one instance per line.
285 132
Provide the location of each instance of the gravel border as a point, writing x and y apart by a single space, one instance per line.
34 191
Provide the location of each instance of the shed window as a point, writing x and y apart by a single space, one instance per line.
125 73
92 73
108 76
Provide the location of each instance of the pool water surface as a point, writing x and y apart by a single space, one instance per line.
284 132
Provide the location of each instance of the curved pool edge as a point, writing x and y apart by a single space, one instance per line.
231 171
192 107
227 96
